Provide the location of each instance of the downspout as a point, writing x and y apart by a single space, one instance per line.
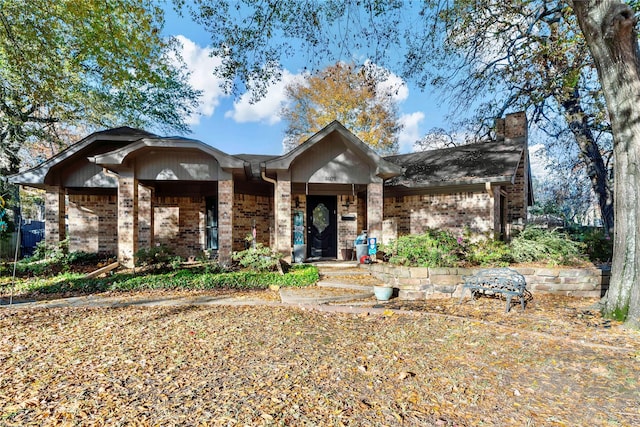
109 173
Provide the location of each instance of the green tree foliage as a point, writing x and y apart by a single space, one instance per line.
71 63
351 94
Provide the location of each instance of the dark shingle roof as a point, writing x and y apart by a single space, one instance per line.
125 131
467 164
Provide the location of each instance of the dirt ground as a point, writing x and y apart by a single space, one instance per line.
429 363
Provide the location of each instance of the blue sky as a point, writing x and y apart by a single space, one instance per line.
235 126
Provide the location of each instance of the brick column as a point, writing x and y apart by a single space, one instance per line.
225 220
145 216
54 215
283 216
127 218
374 210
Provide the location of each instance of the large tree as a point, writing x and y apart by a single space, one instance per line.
526 54
354 95
609 27
253 37
71 63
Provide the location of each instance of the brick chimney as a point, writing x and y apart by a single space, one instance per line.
514 125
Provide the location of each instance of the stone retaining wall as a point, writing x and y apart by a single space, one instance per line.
416 283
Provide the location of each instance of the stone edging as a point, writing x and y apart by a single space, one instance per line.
422 282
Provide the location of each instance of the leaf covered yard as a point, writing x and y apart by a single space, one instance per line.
259 365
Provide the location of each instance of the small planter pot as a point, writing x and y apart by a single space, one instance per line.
383 293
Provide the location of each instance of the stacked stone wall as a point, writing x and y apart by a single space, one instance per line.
417 283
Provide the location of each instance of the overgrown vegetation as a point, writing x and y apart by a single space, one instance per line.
538 245
59 272
50 260
442 249
259 258
158 257
197 278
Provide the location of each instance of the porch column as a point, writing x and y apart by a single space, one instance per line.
283 215
127 218
54 230
225 221
375 204
145 216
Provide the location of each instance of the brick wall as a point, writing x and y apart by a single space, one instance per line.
246 209
347 230
93 223
416 213
145 217
54 215
179 223
517 194
283 223
127 218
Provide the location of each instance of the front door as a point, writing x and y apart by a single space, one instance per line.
322 227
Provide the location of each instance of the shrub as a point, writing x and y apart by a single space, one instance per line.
488 252
158 257
44 251
597 246
538 245
259 258
433 248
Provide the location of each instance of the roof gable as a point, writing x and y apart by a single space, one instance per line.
37 175
381 167
119 156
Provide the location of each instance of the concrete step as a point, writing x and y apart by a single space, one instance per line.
343 285
318 295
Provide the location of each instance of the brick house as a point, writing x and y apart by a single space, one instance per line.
124 189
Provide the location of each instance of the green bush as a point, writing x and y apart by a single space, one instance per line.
157 257
259 258
433 248
488 252
597 246
442 249
49 252
538 245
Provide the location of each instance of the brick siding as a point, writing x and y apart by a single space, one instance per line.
416 213
179 223
248 208
93 223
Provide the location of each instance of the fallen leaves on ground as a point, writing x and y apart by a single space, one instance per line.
259 365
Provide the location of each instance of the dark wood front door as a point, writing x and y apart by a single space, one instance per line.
322 227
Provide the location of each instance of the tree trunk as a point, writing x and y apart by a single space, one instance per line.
590 154
609 29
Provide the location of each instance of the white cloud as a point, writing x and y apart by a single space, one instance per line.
539 159
200 63
395 87
411 130
266 110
